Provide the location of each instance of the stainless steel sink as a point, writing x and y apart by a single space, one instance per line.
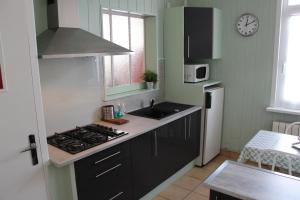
161 110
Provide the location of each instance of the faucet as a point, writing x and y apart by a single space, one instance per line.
152 101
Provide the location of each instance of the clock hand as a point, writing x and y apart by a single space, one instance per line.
247 22
251 22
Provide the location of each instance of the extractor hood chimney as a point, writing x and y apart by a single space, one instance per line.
65 42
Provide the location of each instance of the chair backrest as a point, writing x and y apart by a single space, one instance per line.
287 128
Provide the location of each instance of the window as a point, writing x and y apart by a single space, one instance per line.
123 73
287 89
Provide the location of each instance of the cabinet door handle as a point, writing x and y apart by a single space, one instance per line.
155 144
188 46
190 119
108 157
185 128
116 196
109 170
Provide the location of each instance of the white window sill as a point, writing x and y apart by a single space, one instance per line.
283 110
127 94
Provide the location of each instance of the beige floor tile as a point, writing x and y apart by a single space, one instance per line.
215 163
230 155
202 190
199 173
196 196
174 192
158 198
187 182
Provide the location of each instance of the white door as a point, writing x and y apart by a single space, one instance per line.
213 124
20 105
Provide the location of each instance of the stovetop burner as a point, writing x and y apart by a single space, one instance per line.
83 138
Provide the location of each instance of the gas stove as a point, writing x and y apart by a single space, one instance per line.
83 138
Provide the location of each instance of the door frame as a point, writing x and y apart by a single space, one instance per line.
36 86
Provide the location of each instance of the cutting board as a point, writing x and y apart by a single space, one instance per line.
119 121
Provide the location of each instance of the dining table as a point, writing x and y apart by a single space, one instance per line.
272 148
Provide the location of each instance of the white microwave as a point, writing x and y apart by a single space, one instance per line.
196 73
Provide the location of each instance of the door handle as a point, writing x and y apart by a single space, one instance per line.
116 196
109 170
155 144
190 119
185 128
188 46
33 149
208 100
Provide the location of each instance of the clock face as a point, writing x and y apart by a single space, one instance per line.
247 25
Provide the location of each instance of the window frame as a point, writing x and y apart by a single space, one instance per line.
280 46
130 87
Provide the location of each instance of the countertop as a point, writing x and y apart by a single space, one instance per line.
136 127
248 182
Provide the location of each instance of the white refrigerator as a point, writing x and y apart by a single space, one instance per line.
213 120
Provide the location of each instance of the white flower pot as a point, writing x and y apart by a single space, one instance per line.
150 85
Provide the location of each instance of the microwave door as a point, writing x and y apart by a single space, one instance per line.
201 73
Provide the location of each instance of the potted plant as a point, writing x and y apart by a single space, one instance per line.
150 78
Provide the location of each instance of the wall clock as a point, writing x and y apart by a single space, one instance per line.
247 24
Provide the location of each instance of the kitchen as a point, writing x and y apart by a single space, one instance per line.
68 92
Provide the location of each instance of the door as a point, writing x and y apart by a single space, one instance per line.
213 123
144 151
175 145
193 135
198 34
20 105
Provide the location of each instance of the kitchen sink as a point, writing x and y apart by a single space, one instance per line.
161 110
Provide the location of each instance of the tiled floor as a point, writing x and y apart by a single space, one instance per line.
189 186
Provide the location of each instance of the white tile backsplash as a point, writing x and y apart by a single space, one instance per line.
73 92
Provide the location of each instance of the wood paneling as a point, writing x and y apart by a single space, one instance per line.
246 71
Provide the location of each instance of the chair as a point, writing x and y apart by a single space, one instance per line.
290 126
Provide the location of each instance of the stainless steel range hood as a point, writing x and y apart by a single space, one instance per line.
64 42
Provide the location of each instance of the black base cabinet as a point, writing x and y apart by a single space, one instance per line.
220 196
105 175
160 153
132 169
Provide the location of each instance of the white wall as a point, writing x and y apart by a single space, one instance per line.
73 92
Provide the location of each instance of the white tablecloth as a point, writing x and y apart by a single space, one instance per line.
265 145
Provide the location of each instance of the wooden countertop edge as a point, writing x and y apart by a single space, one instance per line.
55 154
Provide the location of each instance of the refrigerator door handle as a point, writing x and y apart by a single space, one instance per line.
208 100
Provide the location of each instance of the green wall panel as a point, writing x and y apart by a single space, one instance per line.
59 181
114 4
140 6
40 13
155 5
148 6
84 14
132 5
94 17
123 4
246 71
104 3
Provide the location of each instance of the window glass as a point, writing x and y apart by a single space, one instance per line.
292 67
121 70
138 46
106 27
120 30
125 30
293 2
108 71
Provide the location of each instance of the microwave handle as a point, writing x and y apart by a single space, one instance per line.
188 46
